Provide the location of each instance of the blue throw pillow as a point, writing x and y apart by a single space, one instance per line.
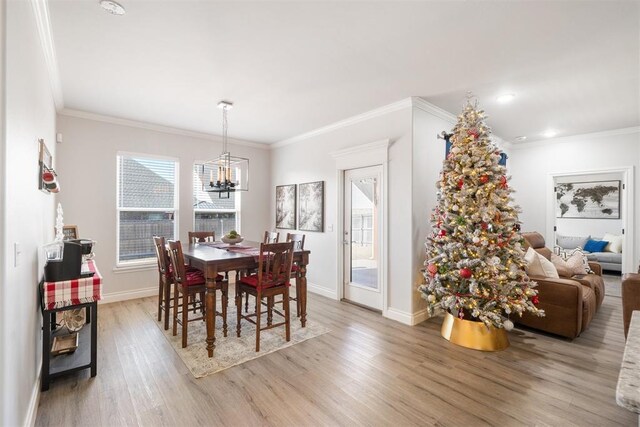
595 245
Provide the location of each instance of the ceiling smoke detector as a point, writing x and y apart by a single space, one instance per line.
112 7
521 138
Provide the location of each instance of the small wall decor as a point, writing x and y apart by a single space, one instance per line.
286 206
70 232
599 200
311 206
48 178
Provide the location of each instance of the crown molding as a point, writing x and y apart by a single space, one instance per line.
423 105
574 138
390 108
43 23
155 127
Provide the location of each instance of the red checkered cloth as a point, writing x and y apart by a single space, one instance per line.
73 292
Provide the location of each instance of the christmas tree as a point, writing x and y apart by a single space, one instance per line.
475 259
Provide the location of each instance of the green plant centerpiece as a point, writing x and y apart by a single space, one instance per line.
232 237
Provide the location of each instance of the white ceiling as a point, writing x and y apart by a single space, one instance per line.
292 67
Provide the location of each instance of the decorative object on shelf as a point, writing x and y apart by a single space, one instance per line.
475 267
232 238
286 206
48 178
64 344
70 232
74 319
596 200
311 206
227 173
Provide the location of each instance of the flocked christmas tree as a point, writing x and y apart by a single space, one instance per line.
475 259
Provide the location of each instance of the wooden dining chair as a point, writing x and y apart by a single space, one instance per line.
298 245
202 236
165 279
188 284
271 237
272 279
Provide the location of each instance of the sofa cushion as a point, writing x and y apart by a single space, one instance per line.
538 265
575 263
572 242
595 283
609 257
615 243
595 245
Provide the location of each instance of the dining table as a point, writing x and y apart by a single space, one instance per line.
215 257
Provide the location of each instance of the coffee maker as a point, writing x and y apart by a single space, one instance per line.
63 261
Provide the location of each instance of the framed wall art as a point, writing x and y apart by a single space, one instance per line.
595 200
286 206
311 206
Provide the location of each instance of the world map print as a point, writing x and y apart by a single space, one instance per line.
588 200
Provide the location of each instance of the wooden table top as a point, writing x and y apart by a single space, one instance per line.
207 253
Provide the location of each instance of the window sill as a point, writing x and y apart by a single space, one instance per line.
132 268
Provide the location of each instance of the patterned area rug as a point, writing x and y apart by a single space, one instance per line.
231 351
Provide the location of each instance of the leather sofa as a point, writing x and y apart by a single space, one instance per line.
630 297
569 302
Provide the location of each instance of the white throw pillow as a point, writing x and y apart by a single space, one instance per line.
573 263
537 265
615 243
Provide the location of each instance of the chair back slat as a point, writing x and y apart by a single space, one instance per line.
274 264
176 258
162 255
271 237
202 236
298 241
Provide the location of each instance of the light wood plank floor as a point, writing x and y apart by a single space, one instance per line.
367 371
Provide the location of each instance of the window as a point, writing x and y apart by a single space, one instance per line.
212 213
147 205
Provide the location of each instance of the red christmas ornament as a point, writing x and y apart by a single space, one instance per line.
503 181
484 225
432 269
484 179
465 273
460 183
442 233
535 300
473 132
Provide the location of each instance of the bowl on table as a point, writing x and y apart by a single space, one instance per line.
232 240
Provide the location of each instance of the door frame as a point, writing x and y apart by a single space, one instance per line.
361 156
626 208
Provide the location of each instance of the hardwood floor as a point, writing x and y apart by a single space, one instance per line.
367 371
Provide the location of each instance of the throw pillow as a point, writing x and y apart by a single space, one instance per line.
595 245
585 259
573 263
615 243
537 265
572 242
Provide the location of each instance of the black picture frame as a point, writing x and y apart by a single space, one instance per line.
286 207
311 206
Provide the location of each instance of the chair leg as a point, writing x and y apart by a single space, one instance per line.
185 318
287 315
270 310
175 309
258 313
246 304
167 303
225 303
160 300
238 309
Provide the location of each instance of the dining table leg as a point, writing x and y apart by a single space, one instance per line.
301 292
211 309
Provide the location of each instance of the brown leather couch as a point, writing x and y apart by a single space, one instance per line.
630 297
569 302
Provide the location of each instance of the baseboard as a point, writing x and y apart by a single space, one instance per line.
127 295
32 411
405 317
312 287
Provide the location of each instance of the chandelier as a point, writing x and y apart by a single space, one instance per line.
227 173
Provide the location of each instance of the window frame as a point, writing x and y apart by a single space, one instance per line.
176 204
237 202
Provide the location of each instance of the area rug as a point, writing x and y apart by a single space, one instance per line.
232 351
612 285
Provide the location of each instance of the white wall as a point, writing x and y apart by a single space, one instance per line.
87 172
29 212
2 199
532 165
310 160
594 227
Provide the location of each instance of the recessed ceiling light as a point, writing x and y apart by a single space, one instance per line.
520 138
550 133
112 7
505 98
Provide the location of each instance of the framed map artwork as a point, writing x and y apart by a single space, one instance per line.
598 200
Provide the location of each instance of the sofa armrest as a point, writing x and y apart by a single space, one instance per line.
595 267
630 298
561 299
